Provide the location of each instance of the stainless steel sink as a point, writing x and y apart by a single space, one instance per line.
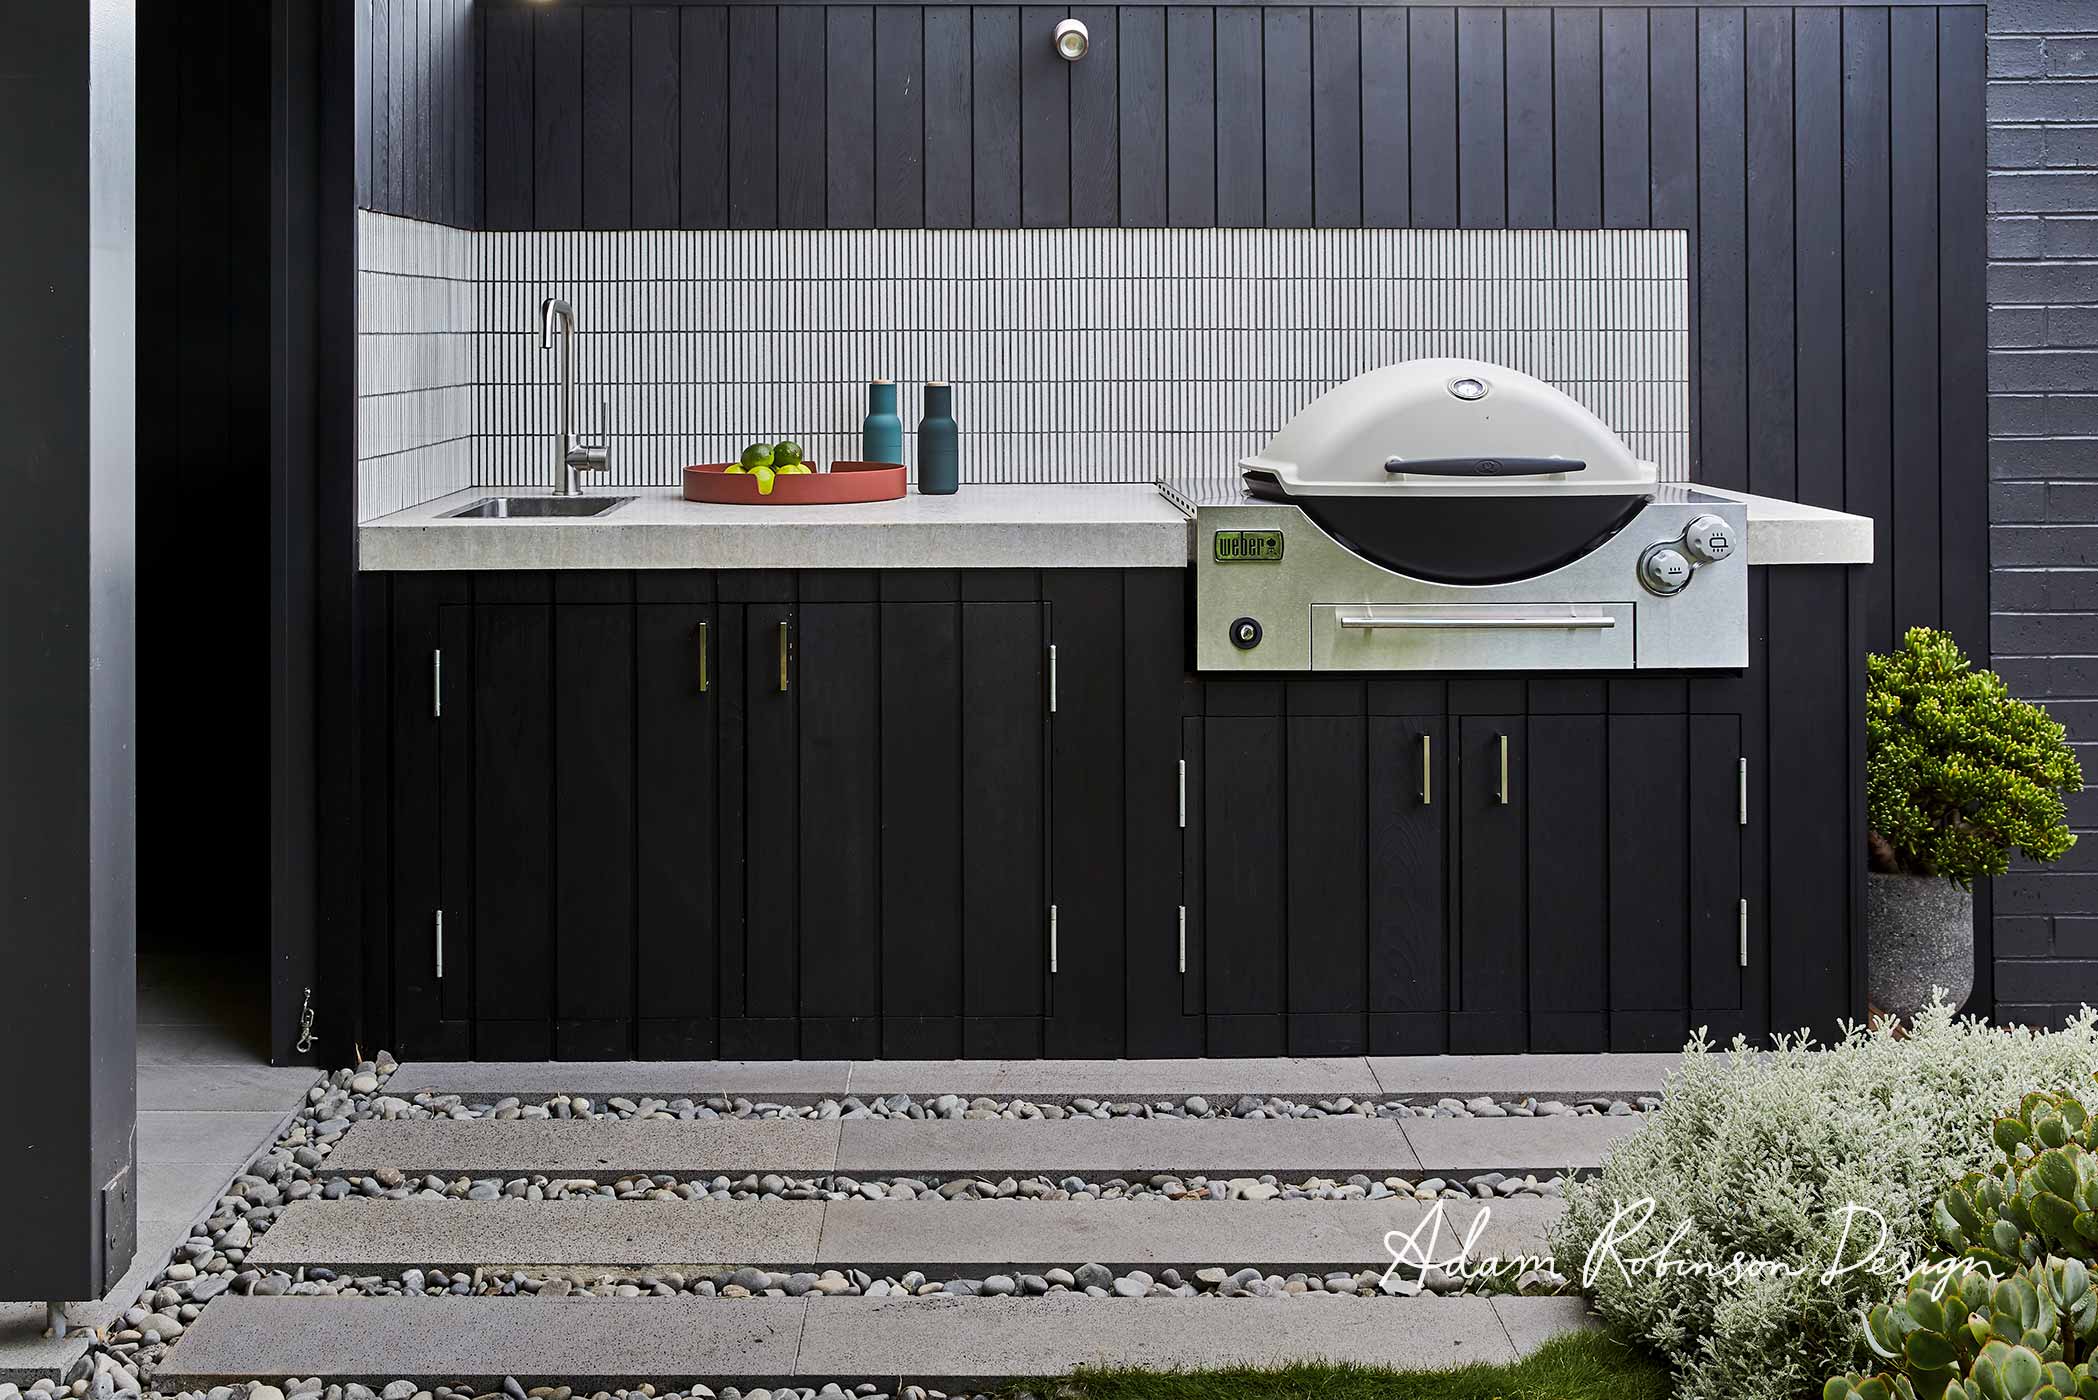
536 507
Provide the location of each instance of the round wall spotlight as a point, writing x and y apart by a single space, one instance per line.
1072 40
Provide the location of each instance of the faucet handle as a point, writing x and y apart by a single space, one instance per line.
595 456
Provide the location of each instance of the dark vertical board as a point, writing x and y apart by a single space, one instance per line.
1004 884
899 116
466 101
1868 484
1963 465
1336 115
594 830
1191 117
1490 897
455 836
1243 851
1325 772
677 679
422 190
1096 123
921 816
1767 155
1153 609
416 791
803 82
1714 841
1408 815
1482 119
949 63
1811 861
851 153
1672 117
1649 896
1722 261
1084 607
1241 184
557 119
658 117
151 96
1912 122
513 827
608 118
1142 73
1569 957
840 678
1193 865
995 114
753 116
380 113
1577 118
704 125
1386 127
1817 204
507 141
771 822
732 751
1627 89
1431 104
1286 94
404 62
1045 122
1531 129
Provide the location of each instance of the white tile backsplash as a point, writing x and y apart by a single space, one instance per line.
1077 354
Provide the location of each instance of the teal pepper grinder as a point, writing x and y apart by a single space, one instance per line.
881 435
939 454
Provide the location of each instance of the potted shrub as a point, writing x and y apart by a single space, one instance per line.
1958 774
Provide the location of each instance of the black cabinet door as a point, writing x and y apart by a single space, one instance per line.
1718 813
1492 920
513 835
1004 796
1245 910
836 675
1567 857
428 789
1409 803
677 793
921 829
1325 766
769 832
1649 880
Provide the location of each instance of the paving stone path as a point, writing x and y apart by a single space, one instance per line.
554 1291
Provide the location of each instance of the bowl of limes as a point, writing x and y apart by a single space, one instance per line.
778 473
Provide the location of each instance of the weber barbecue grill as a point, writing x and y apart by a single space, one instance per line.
1452 515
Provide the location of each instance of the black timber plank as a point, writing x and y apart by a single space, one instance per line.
1086 850
557 119
949 66
1241 159
1577 118
1005 895
1482 119
839 673
803 72
1141 70
1409 803
594 930
1045 121
1492 982
1154 624
771 825
1767 163
677 679
378 114
1817 202
1714 841
1286 109
1530 127
1569 954
1325 773
1912 123
1243 859
404 59
1194 888
1386 124
1672 118
995 114
417 791
1191 124
1431 104
610 139
1868 470
899 116
1811 857
1722 260
851 154
513 835
921 815
1627 198
1336 115
658 117
753 107
732 730
1096 199
1648 862
703 117
1963 462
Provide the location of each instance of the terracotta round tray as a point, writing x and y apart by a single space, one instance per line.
845 481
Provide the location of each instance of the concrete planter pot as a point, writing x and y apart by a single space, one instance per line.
1919 934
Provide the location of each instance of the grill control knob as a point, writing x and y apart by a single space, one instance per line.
1709 539
1663 569
1245 633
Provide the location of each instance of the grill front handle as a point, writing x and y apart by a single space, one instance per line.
1457 621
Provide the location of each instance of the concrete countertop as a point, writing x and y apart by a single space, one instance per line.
978 527
1791 532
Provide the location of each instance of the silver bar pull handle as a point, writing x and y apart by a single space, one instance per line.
1052 939
1052 678
1427 766
1183 794
1183 938
1744 792
1744 933
437 684
440 945
1458 622
1502 794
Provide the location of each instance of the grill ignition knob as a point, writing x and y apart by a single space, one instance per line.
1709 539
1663 569
1245 633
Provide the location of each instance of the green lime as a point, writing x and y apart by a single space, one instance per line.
757 455
733 469
793 469
786 453
764 476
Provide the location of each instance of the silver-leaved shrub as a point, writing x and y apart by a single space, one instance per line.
1759 1151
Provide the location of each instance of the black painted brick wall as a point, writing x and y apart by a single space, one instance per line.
2043 459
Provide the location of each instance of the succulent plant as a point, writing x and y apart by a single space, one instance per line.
2040 1199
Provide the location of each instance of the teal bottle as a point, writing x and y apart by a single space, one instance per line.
939 450
881 436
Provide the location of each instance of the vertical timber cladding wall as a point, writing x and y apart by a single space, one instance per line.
2043 453
418 112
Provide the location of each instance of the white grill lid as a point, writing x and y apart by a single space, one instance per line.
1468 427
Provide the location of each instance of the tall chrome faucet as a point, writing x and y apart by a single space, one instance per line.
575 454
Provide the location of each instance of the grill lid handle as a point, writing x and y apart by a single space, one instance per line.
1483 466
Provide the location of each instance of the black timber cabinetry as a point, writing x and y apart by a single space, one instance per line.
992 814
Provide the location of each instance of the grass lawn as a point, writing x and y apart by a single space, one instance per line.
1579 1366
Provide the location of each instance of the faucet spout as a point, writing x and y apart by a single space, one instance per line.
570 456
